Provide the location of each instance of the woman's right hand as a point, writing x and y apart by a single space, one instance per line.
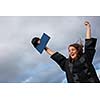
38 42
35 41
49 51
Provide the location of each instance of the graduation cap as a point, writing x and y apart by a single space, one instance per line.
43 42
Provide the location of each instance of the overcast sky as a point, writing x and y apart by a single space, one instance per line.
20 62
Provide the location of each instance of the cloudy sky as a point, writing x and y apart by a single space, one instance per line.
20 62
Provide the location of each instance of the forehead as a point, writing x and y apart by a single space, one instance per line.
72 48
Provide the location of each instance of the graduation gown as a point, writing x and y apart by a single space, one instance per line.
81 70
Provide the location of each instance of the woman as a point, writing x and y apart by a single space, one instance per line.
78 67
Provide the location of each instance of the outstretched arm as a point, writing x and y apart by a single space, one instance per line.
90 43
88 30
49 51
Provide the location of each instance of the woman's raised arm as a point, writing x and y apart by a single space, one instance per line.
88 29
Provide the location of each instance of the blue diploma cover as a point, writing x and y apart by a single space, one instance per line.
43 42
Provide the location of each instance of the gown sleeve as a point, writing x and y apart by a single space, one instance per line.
60 60
90 48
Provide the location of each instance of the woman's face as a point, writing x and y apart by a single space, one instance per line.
73 52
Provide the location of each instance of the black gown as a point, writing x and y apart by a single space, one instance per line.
81 70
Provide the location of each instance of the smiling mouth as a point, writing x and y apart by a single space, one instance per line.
72 54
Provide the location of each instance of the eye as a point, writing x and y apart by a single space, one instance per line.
72 49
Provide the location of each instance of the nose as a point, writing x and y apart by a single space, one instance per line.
70 52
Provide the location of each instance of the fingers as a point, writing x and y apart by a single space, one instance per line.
38 41
86 23
35 41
